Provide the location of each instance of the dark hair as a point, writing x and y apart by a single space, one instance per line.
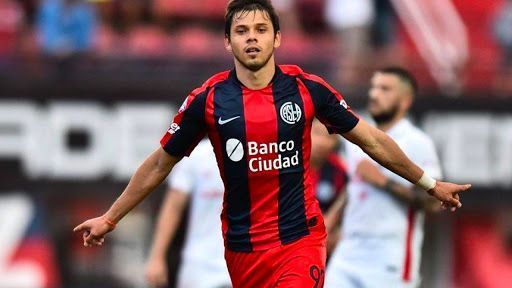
403 74
236 6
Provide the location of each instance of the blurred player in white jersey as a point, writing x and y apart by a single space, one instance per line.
195 180
382 229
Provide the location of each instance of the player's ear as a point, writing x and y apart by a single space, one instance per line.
407 101
277 39
227 43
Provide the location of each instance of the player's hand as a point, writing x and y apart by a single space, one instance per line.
94 231
156 272
370 173
448 194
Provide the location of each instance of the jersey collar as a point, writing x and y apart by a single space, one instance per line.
234 78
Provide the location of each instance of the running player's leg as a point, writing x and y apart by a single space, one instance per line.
350 275
296 265
339 276
302 265
199 274
252 269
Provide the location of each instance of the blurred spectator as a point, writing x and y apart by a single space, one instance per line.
289 20
352 21
11 23
204 12
106 39
311 15
503 33
66 27
383 28
145 38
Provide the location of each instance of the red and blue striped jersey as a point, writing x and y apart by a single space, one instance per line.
329 181
262 142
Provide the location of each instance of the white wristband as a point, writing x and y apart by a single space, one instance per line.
426 182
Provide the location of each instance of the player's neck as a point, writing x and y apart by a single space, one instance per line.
256 79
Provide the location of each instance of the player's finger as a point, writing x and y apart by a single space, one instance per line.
453 202
91 237
96 242
453 208
463 188
85 234
78 228
457 197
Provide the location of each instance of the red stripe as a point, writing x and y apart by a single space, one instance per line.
411 215
312 208
318 79
259 112
292 70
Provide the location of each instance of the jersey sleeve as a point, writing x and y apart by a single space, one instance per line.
182 176
330 107
188 126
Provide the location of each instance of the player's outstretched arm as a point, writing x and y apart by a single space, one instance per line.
147 177
386 152
332 217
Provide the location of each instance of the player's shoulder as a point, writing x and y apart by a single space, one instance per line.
217 78
312 81
211 82
294 70
417 135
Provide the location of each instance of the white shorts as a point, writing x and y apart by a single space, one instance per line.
201 275
345 273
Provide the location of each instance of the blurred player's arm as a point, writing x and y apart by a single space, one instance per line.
381 148
410 195
168 220
147 177
332 217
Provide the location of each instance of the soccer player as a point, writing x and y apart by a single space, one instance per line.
329 178
195 180
383 221
258 117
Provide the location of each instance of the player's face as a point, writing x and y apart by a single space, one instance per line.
322 143
387 97
252 40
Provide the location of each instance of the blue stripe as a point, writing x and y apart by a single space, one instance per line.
292 212
328 109
228 103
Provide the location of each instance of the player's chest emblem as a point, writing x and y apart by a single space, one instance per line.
290 112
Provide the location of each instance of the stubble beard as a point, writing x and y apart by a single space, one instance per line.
256 66
386 116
